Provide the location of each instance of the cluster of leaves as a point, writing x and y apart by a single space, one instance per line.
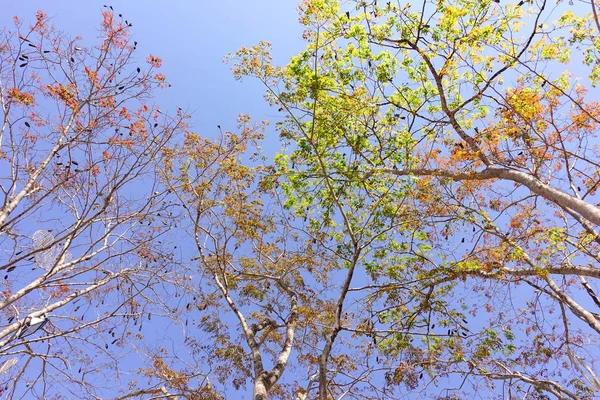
456 174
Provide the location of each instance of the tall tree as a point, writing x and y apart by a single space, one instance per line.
81 208
251 260
455 168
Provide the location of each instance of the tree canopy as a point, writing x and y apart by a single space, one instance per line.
428 228
81 200
449 153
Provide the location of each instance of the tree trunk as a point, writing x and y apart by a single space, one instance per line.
260 388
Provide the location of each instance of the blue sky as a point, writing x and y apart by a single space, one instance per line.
191 37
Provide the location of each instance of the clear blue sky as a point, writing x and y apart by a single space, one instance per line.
191 37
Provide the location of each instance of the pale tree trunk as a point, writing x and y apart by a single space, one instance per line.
553 195
263 381
260 388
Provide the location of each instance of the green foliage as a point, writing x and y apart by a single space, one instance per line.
440 155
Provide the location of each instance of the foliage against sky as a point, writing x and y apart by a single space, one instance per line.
427 230
452 147
81 200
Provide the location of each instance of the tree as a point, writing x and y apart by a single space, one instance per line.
428 230
452 170
82 210
228 223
